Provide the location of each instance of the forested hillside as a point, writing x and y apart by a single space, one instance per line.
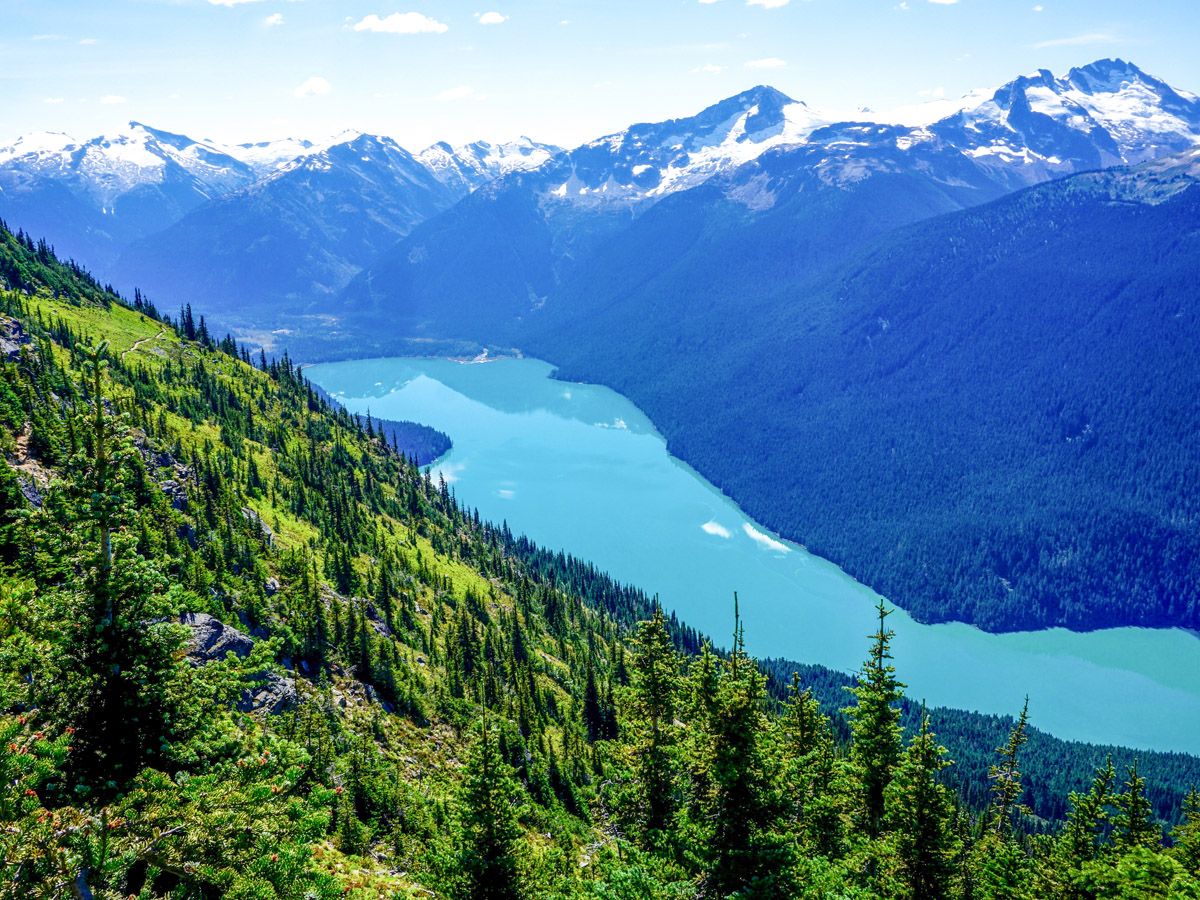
247 649
989 416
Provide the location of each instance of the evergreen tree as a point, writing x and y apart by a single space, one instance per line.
748 858
490 812
1186 834
1007 786
809 754
654 675
876 743
1084 835
118 685
1134 825
920 813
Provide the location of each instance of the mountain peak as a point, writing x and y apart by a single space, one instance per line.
761 94
1107 76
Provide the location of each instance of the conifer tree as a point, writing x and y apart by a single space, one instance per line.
117 682
876 743
748 858
491 808
1083 837
1007 786
1186 835
809 768
654 675
1133 824
920 813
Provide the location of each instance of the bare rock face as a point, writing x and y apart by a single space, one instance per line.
176 493
212 640
30 491
271 692
12 338
255 520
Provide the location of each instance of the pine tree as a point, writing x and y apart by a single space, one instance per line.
654 674
1083 837
876 743
1007 786
920 813
490 812
1186 834
747 857
116 682
1134 825
807 744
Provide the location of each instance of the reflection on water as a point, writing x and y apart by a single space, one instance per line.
579 467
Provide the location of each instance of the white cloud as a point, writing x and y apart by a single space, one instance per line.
492 18
768 4
402 23
112 99
708 1
231 2
902 6
462 92
710 69
274 20
565 22
770 62
716 529
943 2
764 540
316 86
87 42
1078 40
1038 8
54 100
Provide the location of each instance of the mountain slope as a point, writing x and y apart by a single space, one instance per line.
989 416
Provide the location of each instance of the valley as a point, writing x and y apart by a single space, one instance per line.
577 467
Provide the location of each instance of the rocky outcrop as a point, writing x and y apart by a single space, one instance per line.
212 640
12 338
271 692
255 520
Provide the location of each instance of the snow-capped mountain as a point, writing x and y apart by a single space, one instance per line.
466 167
265 157
105 167
293 237
650 161
755 184
1039 127
93 197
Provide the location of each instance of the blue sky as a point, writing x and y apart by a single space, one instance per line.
557 70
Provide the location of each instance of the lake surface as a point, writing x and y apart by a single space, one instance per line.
579 467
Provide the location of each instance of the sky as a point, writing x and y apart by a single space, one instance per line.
560 71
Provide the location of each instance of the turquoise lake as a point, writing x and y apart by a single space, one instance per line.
578 467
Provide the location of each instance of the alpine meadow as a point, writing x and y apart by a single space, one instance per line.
428 484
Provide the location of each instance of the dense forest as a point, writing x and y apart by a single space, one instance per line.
249 649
